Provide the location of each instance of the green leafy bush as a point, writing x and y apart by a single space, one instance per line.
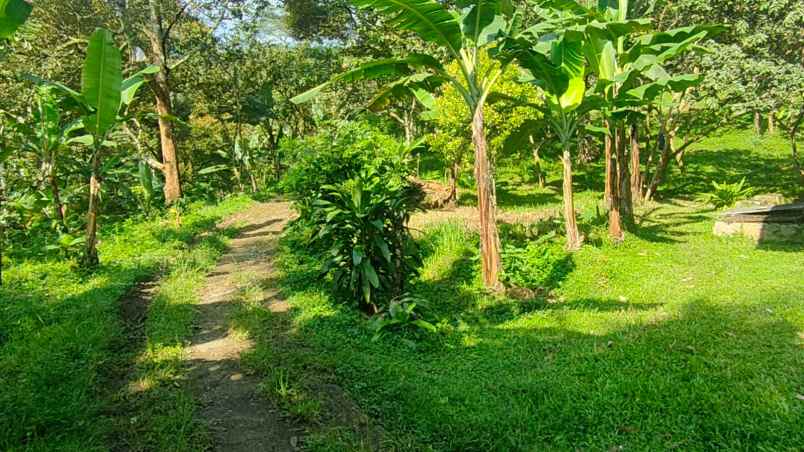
351 186
363 223
339 152
726 195
539 264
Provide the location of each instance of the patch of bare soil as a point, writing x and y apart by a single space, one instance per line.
469 217
239 417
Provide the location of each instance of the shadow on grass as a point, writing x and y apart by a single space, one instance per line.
658 225
511 309
793 246
762 172
554 374
638 375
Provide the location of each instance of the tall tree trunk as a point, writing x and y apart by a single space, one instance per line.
615 219
570 222
91 253
607 155
757 122
636 170
624 177
161 88
537 161
772 122
454 173
487 206
664 162
170 163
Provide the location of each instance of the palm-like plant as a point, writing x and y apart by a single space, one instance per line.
556 64
463 35
47 135
104 96
628 61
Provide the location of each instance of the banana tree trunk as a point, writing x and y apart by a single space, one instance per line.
537 161
570 221
624 177
454 173
667 153
48 170
410 127
615 219
91 254
636 171
253 181
487 206
771 123
607 155
58 207
757 123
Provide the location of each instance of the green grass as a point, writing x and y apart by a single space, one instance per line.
675 340
62 339
727 157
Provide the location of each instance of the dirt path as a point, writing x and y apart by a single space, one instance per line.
238 416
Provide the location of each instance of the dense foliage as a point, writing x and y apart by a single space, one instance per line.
338 152
363 223
536 265
351 186
576 258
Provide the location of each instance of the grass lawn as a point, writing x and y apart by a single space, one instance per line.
63 346
675 340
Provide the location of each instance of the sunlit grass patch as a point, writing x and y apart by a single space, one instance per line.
61 330
676 339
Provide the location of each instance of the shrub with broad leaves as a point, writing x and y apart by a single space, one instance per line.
352 188
363 223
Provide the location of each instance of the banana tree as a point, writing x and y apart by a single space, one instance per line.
103 98
556 64
462 35
628 61
46 135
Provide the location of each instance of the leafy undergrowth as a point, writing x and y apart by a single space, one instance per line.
677 339
61 335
